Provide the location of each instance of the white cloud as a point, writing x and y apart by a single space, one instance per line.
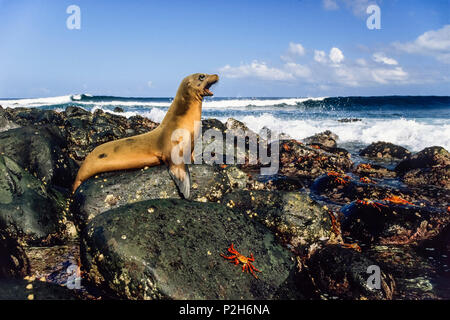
357 76
336 55
294 50
320 56
330 4
347 76
332 70
260 70
358 7
385 76
256 69
380 57
149 84
298 70
361 62
435 43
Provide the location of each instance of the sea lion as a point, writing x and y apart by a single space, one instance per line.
156 147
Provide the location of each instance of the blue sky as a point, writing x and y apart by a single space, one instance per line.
259 48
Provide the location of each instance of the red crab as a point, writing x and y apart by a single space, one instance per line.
353 246
367 180
237 258
375 204
397 200
338 177
365 166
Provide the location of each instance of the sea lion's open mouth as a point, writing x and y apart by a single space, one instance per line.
206 91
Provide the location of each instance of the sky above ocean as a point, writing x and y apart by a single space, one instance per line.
291 48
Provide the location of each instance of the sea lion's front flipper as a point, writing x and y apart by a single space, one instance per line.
180 174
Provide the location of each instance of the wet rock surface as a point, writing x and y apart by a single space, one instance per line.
19 289
387 223
171 249
29 211
418 275
430 166
326 139
42 151
13 260
111 190
339 273
308 163
82 129
384 150
312 227
296 220
374 171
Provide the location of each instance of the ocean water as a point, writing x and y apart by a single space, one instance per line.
412 122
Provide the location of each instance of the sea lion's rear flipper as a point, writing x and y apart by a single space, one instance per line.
182 178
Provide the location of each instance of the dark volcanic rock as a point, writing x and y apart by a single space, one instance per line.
214 124
340 273
29 211
18 289
111 190
33 116
13 260
345 120
326 139
431 166
171 248
82 129
342 189
387 223
42 151
85 130
416 275
233 139
5 123
296 220
374 171
309 163
384 150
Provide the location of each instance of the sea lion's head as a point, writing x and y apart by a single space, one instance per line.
198 85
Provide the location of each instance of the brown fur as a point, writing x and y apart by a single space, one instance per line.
154 147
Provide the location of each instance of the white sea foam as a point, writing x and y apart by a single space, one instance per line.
209 104
35 102
239 103
413 134
154 114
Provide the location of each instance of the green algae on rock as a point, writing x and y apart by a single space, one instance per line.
295 219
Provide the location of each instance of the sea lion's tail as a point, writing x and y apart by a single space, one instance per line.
76 184
182 178
83 174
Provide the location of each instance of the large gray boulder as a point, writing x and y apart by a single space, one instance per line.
29 211
42 151
295 219
13 260
115 189
170 248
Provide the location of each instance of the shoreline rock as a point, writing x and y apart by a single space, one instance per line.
271 216
385 150
160 249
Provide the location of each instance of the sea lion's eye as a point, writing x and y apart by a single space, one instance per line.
201 77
